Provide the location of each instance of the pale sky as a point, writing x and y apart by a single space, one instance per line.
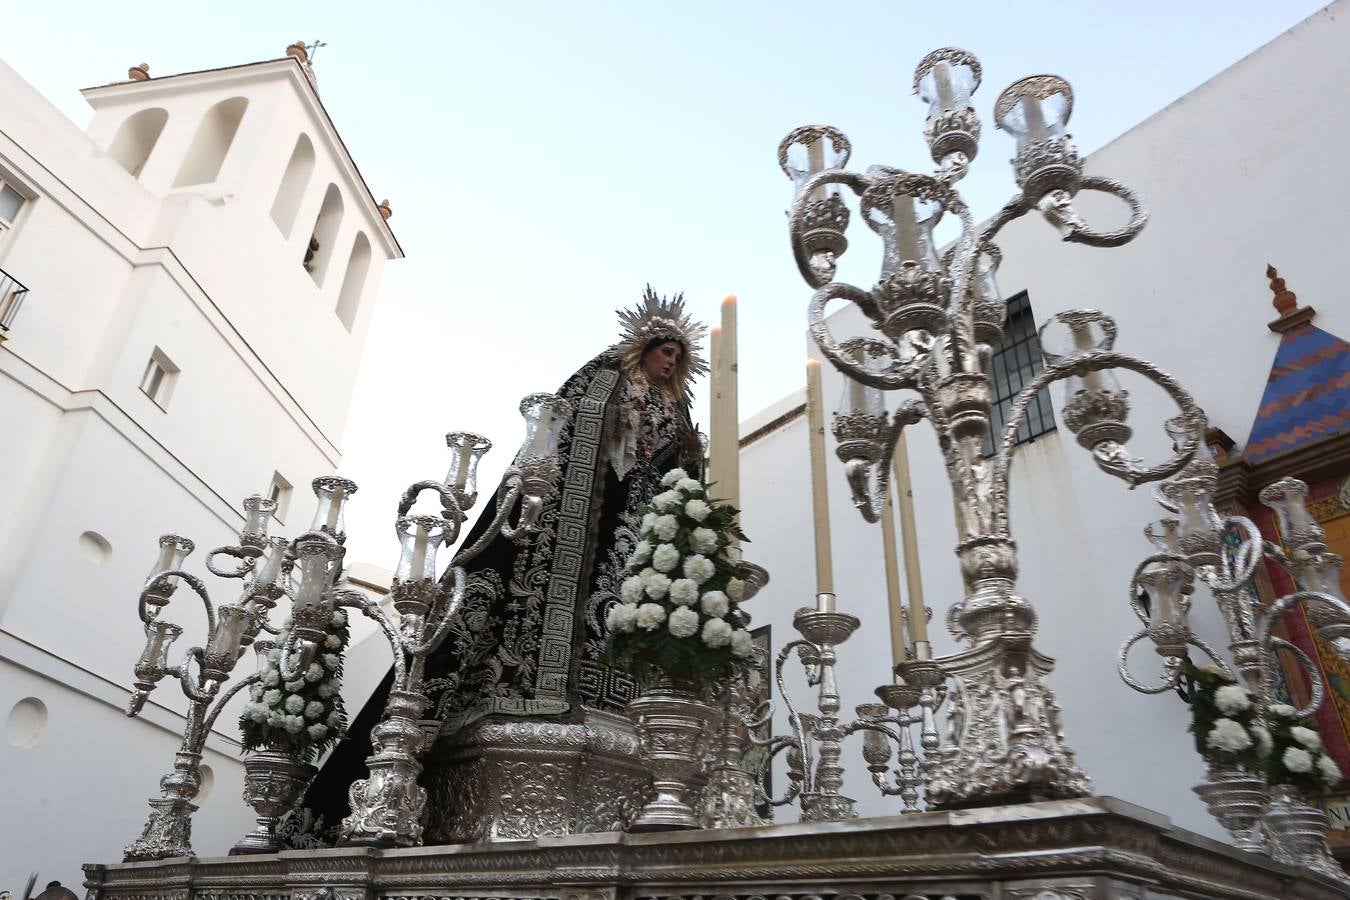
546 160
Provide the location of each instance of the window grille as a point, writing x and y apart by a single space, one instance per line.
1015 363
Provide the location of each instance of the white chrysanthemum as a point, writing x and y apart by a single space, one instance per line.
622 617
684 591
736 589
1232 698
315 671
1307 737
703 540
642 551
666 527
271 677
689 486
294 724
646 573
332 642
332 662
699 568
631 589
296 685
1283 710
683 622
666 557
255 691
339 619
295 703
274 654
716 633
1262 736
317 731
313 709
272 697
1331 773
276 719
648 523
1228 736
697 510
261 713
650 616
667 501
657 586
1297 760
334 719
741 643
715 603
673 476
327 689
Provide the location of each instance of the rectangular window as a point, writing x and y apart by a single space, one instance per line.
11 201
280 494
1015 363
159 378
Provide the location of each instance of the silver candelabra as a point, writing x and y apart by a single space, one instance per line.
940 316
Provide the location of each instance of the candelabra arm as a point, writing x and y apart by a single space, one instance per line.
1316 690
446 618
1171 665
1014 209
225 698
371 610
799 738
499 521
895 376
247 557
1078 232
193 582
190 683
449 504
305 654
1276 552
869 500
797 215
777 745
1108 455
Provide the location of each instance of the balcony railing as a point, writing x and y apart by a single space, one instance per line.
11 298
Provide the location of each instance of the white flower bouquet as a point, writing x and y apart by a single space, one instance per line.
304 716
1297 756
677 612
1224 719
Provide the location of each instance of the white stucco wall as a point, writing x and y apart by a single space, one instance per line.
1236 174
119 266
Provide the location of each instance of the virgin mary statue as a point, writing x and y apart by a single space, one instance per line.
529 635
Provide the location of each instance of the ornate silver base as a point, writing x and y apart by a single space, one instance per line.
1236 800
167 833
1297 832
675 728
513 779
274 780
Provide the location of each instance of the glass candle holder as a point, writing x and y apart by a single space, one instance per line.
811 149
154 659
258 511
272 569
858 398
173 550
1034 109
1288 497
227 641
315 564
419 538
906 225
545 415
466 451
1163 584
332 493
1163 534
945 79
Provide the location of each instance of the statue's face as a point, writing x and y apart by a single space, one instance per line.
659 363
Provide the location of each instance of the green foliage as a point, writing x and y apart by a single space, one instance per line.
306 716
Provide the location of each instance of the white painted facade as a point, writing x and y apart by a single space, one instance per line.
1237 173
174 227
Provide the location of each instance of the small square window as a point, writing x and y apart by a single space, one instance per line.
159 378
11 201
280 494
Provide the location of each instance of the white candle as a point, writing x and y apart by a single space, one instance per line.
727 388
1297 512
942 80
465 455
857 398
541 429
820 497
909 536
906 232
716 427
1082 340
893 600
815 156
335 509
825 602
1031 109
419 554
1166 614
